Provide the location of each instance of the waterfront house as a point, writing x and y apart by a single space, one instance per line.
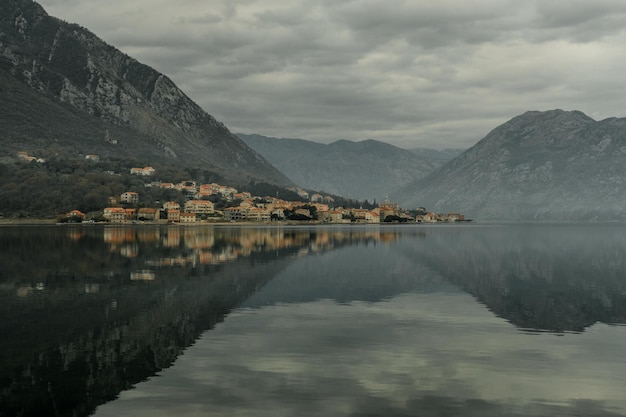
187 217
332 216
173 215
148 213
258 214
114 214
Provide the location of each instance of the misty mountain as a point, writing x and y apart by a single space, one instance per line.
362 170
553 165
438 154
65 91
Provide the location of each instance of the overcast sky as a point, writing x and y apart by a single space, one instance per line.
415 73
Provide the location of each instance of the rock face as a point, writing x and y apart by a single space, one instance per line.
553 165
364 170
71 65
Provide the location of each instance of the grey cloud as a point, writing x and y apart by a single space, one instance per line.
201 20
416 73
426 24
560 13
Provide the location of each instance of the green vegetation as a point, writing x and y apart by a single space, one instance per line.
45 190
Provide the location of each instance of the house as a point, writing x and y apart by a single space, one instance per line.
187 187
320 207
148 213
455 217
429 217
92 158
242 196
173 215
171 205
204 191
146 171
372 217
387 209
258 214
187 217
114 214
199 207
233 214
277 214
143 275
228 191
247 203
317 198
131 213
74 216
130 197
385 212
332 216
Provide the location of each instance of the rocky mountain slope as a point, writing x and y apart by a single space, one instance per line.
553 165
364 170
91 98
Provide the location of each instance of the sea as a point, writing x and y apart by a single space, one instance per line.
466 319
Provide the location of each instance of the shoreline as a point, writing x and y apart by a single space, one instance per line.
53 222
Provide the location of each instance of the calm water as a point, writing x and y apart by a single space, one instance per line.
460 320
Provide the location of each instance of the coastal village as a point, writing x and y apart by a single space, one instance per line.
198 207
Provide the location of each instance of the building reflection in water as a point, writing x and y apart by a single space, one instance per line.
215 245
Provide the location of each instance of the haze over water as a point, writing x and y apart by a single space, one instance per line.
472 320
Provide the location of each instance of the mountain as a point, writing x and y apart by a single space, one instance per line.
552 165
364 170
438 154
65 91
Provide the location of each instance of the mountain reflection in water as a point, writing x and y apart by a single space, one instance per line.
444 320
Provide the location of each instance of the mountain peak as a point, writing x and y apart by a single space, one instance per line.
537 128
556 114
552 165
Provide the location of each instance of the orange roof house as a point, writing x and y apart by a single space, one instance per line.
76 213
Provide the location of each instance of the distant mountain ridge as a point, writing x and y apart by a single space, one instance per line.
365 170
70 68
438 154
553 165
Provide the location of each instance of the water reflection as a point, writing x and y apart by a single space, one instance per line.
559 277
381 318
88 311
